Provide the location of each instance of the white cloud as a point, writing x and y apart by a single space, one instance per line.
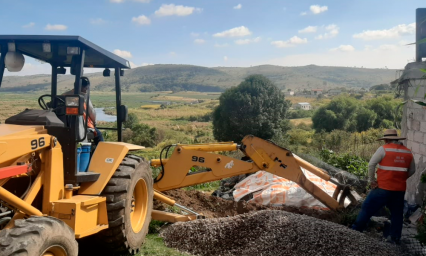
97 21
29 25
116 1
295 40
55 27
142 1
395 32
178 10
199 41
309 29
372 58
248 41
316 9
237 7
225 58
332 31
141 20
303 13
133 65
123 54
234 32
195 34
221 45
172 53
388 47
344 48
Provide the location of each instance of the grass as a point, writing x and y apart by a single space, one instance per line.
150 106
154 246
298 121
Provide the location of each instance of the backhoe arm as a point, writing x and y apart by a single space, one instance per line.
265 155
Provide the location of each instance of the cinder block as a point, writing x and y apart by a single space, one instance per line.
409 144
418 137
415 125
423 126
415 147
410 135
418 114
411 91
420 92
423 149
417 158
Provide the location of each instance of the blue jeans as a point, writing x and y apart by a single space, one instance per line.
376 199
98 138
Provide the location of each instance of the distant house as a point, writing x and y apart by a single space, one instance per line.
290 93
334 92
316 91
304 106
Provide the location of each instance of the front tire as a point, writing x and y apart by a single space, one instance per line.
129 196
38 236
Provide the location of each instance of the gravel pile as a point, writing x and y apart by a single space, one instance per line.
271 232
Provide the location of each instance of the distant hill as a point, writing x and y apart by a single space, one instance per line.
195 78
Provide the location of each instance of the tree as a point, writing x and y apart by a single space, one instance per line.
141 134
339 114
256 107
365 119
385 108
132 121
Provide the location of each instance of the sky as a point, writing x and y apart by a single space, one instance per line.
232 33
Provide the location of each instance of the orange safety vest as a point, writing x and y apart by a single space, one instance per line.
392 171
90 123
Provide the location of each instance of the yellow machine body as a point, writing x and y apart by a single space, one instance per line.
265 155
80 207
85 211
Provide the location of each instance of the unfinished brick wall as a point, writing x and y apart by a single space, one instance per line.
413 127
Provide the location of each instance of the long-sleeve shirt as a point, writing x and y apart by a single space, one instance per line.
377 158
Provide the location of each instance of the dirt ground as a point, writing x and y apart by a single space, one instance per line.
215 207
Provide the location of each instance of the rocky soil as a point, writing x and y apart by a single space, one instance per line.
272 232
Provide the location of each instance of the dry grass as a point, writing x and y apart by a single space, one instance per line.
297 99
150 106
174 98
307 121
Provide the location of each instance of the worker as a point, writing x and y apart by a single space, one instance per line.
395 164
91 120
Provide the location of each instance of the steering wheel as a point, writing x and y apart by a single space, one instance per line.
43 104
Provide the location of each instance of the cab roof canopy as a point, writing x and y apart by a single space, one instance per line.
59 54
67 51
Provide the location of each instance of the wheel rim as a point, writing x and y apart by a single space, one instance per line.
139 205
55 250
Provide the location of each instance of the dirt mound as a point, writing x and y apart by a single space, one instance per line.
272 233
215 207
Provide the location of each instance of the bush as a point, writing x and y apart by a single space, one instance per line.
347 113
294 114
255 107
348 162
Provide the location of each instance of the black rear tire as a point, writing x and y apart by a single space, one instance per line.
36 236
119 238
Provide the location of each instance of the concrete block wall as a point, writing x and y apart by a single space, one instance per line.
413 127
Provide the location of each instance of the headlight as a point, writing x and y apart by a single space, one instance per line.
72 101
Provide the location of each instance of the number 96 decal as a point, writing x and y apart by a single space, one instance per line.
37 143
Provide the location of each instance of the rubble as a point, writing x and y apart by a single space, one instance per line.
272 232
215 207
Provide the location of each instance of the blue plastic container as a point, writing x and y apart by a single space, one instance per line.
78 158
84 157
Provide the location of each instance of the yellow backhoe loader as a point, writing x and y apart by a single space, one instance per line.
48 203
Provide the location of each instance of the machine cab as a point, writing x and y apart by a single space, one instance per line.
63 115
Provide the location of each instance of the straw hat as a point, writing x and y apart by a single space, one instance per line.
391 134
